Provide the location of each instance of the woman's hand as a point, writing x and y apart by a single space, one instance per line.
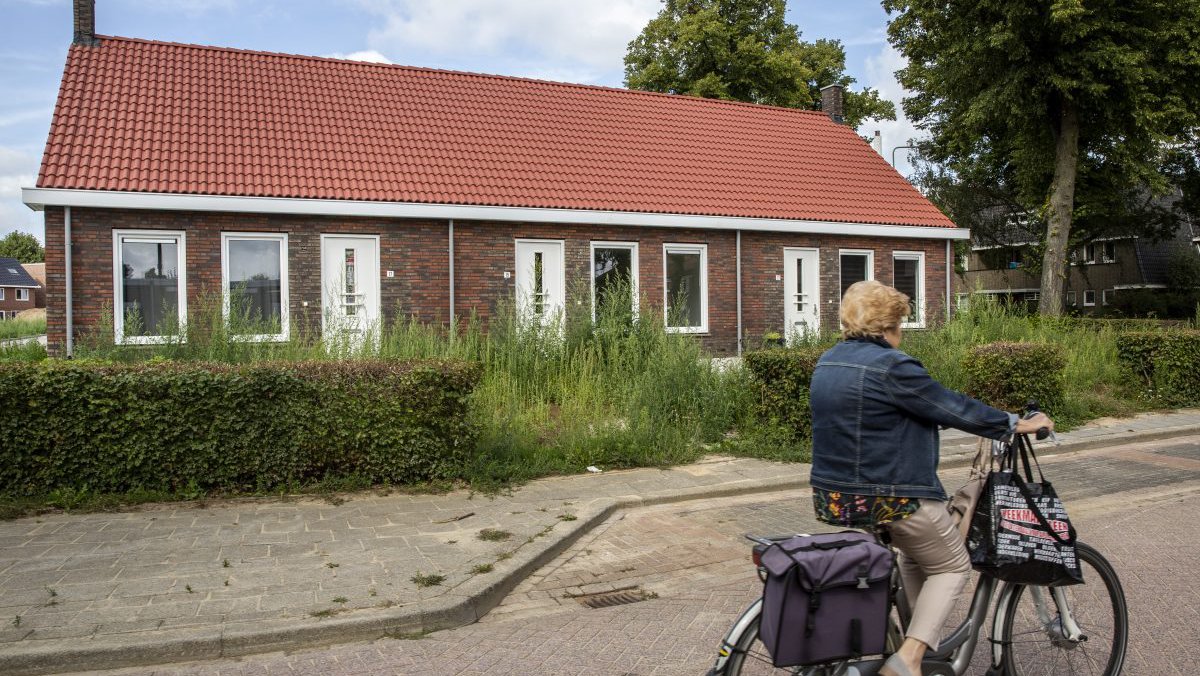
1033 424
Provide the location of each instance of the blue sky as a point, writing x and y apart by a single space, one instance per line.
569 40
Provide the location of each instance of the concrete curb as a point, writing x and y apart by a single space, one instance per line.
462 605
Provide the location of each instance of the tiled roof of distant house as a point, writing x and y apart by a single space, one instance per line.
143 116
12 274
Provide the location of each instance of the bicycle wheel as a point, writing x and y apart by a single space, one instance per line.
1036 643
750 656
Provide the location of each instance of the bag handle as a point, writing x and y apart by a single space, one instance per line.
1041 519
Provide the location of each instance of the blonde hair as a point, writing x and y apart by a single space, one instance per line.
870 308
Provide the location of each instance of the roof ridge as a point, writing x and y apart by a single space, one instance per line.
446 71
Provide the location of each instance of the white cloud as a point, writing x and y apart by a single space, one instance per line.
881 75
369 55
17 170
584 38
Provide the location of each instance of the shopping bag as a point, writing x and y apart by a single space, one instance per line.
1020 531
962 504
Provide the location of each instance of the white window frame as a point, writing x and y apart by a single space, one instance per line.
701 249
1072 299
869 253
1 293
180 238
919 257
1104 257
1104 294
1089 254
284 302
22 294
633 261
1092 293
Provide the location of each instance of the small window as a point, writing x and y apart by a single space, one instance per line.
685 269
856 266
1109 252
1089 298
1 293
1071 299
1089 253
22 294
254 272
150 285
908 277
1106 294
614 277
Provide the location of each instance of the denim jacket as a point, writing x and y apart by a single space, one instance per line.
876 413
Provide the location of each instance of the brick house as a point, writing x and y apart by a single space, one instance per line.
18 290
1098 271
317 192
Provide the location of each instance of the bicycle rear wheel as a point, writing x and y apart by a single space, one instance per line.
1036 642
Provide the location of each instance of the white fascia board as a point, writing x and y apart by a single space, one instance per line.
38 198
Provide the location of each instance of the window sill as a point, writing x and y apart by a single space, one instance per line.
694 331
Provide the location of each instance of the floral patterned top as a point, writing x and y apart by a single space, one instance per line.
861 511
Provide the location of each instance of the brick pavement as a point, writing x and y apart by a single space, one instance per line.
153 584
1140 530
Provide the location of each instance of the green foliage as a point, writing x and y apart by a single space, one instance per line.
1167 362
783 378
1065 107
1008 375
188 428
1156 303
21 328
22 246
742 50
1183 269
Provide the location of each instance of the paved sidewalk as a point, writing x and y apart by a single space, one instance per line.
181 582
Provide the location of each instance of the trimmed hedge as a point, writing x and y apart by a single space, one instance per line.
1009 375
1167 361
168 425
783 378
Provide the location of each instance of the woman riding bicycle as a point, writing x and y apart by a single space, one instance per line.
876 413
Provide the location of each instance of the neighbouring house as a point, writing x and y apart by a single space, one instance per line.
38 272
319 192
1097 273
18 290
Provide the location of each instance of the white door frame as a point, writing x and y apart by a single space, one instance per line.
378 287
562 270
814 294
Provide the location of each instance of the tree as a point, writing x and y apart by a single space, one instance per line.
22 246
1058 99
743 50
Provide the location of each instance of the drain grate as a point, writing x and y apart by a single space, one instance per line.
617 597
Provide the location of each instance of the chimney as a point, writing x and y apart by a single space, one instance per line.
877 143
831 103
85 22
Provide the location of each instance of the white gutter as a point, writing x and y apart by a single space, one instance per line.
452 330
38 198
738 273
949 274
69 283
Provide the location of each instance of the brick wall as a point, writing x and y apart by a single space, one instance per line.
417 251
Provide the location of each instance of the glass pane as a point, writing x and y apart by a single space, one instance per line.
612 270
854 269
683 290
350 280
539 287
150 287
906 271
255 286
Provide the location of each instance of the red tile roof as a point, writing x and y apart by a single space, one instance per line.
136 115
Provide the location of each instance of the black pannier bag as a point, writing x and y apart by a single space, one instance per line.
825 598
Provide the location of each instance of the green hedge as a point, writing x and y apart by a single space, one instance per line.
783 378
167 425
1168 362
1009 375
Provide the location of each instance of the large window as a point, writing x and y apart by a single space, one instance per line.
614 279
856 266
254 276
150 285
685 269
908 277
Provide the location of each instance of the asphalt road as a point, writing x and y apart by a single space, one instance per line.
685 569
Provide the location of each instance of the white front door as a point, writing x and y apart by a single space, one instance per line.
801 292
350 283
541 280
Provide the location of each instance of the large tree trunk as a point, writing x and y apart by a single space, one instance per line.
1062 203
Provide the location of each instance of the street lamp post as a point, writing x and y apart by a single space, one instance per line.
899 148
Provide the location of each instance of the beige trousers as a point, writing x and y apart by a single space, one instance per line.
934 567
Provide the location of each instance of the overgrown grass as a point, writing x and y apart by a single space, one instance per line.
21 328
30 350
